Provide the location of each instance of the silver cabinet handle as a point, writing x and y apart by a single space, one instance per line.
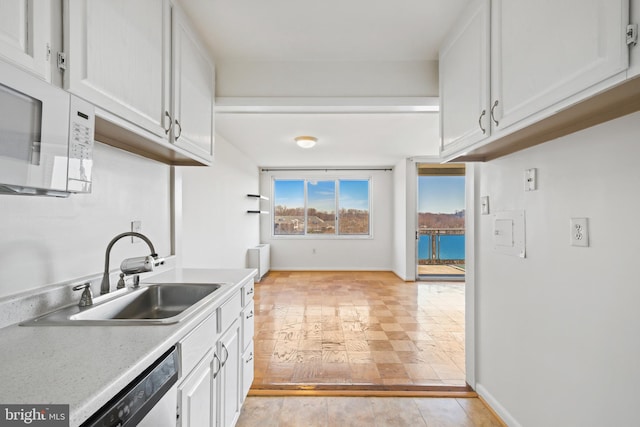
493 107
250 358
167 129
226 357
249 292
215 357
179 129
250 315
484 112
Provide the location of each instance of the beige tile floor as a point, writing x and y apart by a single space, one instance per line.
305 411
358 328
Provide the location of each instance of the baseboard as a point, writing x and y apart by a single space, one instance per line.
494 406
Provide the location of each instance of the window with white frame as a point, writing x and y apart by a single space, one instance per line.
327 207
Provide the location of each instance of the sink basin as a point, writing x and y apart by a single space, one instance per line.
153 304
150 302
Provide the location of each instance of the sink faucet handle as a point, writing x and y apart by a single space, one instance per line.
120 284
86 299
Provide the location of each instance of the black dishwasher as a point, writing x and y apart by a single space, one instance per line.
131 404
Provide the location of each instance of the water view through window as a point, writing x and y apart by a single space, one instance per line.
337 207
441 210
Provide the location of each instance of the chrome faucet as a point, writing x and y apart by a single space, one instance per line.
105 286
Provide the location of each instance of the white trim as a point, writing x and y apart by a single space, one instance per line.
470 275
327 105
497 407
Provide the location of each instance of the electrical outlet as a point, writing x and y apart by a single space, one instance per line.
579 228
136 226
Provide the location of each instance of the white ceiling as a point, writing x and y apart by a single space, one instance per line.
344 140
326 30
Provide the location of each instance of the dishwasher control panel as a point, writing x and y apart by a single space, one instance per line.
131 404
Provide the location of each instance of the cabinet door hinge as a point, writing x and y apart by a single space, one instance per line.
48 50
632 34
62 61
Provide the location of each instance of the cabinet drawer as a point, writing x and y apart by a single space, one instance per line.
247 324
194 346
247 293
247 371
229 311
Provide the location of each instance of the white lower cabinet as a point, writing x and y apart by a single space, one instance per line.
196 394
248 328
229 376
216 364
247 370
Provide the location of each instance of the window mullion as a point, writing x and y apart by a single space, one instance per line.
306 215
337 193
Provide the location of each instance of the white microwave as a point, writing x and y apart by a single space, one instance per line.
46 137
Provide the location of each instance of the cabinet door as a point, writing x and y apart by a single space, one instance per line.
25 32
229 376
118 57
193 90
247 370
634 53
545 51
196 397
464 80
247 324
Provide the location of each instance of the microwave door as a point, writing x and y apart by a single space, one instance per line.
52 172
33 145
20 118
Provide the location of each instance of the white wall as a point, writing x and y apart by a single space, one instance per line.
47 240
399 250
557 332
404 219
325 78
336 254
216 228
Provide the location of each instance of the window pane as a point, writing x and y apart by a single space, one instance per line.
354 207
321 207
288 201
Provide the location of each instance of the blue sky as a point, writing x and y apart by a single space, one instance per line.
289 193
354 194
440 194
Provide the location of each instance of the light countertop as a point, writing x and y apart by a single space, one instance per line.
85 366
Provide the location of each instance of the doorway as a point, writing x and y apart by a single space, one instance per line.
440 235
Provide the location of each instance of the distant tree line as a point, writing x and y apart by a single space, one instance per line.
352 221
441 220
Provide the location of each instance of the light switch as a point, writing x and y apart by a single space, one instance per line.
530 183
136 226
484 205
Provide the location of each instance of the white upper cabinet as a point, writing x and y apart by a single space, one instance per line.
634 54
509 64
464 80
193 90
118 58
147 72
545 51
25 31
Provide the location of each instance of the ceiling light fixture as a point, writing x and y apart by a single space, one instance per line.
306 141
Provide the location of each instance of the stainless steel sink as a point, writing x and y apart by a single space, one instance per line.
153 304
